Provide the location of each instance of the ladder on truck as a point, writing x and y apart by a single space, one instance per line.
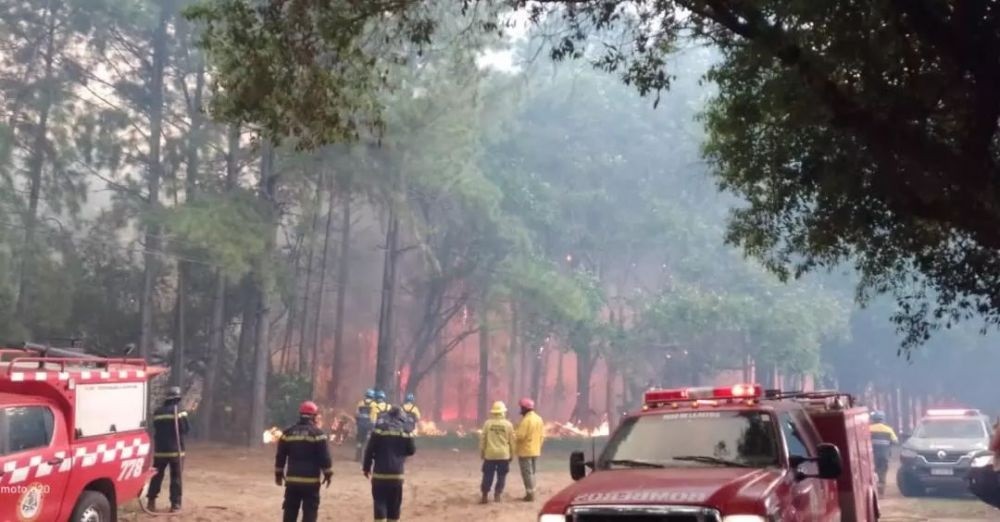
37 362
819 399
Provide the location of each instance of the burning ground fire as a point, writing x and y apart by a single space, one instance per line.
553 430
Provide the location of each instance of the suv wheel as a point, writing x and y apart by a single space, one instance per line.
908 485
92 507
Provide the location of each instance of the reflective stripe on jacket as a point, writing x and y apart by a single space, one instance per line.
530 434
167 419
303 454
387 449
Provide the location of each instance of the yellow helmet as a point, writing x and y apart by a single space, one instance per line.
499 407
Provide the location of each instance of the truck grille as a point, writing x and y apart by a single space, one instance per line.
949 456
643 514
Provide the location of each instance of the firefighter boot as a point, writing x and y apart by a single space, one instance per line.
151 504
485 499
529 497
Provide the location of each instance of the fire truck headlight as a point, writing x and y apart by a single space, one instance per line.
908 454
551 518
982 461
743 518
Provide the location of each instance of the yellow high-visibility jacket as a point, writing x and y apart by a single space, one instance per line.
497 441
530 435
412 409
378 408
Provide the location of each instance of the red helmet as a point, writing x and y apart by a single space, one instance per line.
308 408
527 404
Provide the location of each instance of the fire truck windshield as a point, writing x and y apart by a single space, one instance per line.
686 439
950 429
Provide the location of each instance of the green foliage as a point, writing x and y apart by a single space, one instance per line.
284 394
226 232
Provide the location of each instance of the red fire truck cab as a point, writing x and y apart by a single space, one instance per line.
730 454
73 444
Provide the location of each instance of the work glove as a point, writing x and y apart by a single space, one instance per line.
327 477
279 478
368 474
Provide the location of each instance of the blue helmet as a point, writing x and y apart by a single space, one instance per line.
380 395
878 416
410 397
370 394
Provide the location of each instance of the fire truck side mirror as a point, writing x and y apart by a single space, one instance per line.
828 461
578 465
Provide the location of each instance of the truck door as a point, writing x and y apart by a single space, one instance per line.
35 463
807 495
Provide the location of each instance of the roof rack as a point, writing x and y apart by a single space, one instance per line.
30 361
828 398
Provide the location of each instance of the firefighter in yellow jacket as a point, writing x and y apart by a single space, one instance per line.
883 438
497 448
530 435
379 407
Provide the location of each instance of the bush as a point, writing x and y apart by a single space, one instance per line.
284 394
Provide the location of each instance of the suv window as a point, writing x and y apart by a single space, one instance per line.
796 444
25 428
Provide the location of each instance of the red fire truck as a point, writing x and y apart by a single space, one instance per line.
73 444
729 454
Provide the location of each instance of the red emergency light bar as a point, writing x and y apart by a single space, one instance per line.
736 391
953 413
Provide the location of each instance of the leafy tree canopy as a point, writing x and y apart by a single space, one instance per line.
855 130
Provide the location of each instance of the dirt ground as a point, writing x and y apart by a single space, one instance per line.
228 484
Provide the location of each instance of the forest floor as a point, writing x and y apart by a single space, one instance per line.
223 484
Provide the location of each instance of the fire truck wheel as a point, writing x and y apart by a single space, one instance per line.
92 507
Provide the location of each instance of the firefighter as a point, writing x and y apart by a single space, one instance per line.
412 411
363 421
304 451
170 425
379 407
883 437
496 447
530 434
385 455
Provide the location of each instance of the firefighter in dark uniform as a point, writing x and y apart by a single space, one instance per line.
305 450
170 425
883 437
386 452
411 410
363 422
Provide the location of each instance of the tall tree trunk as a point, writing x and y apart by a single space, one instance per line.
584 369
180 335
247 340
343 273
154 174
484 365
560 389
303 326
293 311
262 352
385 365
216 344
184 268
321 296
611 408
512 352
538 371
526 356
439 380
36 166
